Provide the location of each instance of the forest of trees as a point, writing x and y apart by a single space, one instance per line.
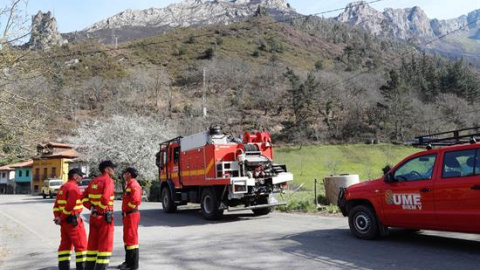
309 81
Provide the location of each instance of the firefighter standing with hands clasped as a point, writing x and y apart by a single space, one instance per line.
132 199
98 197
67 209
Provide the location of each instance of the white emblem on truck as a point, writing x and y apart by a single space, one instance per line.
408 201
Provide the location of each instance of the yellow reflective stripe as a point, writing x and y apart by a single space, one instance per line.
91 259
110 203
78 207
95 196
82 259
64 252
81 253
61 259
103 261
128 190
79 201
61 207
92 252
132 247
132 205
56 209
101 205
85 200
104 254
95 202
62 202
112 197
66 212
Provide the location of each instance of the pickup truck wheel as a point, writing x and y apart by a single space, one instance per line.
44 195
50 195
167 203
209 204
363 222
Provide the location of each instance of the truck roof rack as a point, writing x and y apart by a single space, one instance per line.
453 137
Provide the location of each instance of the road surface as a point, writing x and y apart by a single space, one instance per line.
185 241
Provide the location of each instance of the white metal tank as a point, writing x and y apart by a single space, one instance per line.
335 182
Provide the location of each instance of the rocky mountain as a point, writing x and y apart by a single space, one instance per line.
44 32
414 25
134 24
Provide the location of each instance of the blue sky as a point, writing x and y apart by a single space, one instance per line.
77 14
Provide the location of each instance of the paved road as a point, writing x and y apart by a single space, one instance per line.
186 241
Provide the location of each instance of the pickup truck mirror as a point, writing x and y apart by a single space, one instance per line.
389 178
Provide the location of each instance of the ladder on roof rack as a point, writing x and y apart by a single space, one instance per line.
453 137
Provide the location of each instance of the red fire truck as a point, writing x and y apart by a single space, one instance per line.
221 173
436 189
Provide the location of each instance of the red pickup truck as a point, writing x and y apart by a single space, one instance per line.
436 189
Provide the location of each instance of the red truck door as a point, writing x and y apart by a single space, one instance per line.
457 192
409 200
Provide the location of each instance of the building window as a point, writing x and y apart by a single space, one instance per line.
20 173
27 173
54 172
4 175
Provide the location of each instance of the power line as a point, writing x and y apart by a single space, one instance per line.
406 52
116 48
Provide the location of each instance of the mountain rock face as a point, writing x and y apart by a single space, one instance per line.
132 24
404 23
44 32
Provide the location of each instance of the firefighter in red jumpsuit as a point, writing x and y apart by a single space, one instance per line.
67 209
98 197
132 198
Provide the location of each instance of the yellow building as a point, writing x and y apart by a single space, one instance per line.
52 162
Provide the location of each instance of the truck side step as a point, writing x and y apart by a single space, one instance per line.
234 209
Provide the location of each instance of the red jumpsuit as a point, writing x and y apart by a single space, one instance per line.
132 198
67 207
98 197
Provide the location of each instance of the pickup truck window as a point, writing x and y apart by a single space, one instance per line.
419 168
460 164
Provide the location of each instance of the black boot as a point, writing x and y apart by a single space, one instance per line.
89 265
64 265
135 258
101 266
80 266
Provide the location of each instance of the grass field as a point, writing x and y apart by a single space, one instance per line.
318 162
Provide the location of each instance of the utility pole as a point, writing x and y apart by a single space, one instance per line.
204 100
116 42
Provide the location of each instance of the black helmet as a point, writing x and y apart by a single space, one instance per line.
106 163
75 171
132 171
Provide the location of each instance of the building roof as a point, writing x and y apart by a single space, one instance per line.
28 163
65 154
6 168
56 145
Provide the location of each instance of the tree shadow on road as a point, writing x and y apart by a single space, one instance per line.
401 250
187 217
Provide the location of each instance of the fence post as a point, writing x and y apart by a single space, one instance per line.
315 192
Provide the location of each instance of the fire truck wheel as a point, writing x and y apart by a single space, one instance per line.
261 211
210 205
167 203
363 222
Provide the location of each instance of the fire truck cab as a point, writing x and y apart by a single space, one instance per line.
221 173
436 189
